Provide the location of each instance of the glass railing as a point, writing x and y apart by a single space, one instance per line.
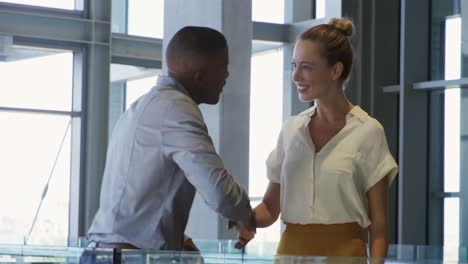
215 251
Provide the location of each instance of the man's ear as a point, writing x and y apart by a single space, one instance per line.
198 77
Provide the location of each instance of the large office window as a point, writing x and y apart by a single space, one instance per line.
36 116
136 88
143 18
271 11
452 135
62 4
319 9
447 63
127 84
146 18
266 101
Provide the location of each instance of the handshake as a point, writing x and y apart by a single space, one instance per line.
246 231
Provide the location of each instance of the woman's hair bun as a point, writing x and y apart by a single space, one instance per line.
344 25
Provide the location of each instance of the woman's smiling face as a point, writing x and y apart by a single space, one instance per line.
311 73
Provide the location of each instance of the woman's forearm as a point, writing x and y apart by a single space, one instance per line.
378 242
378 247
378 230
267 212
263 216
378 250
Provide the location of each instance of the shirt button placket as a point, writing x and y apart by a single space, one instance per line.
312 206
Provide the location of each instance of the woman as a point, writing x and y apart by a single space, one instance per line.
331 168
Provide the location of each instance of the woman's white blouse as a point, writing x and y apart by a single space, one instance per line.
329 187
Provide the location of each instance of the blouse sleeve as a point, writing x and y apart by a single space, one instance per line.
275 161
376 159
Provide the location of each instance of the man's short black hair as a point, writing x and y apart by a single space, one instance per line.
199 40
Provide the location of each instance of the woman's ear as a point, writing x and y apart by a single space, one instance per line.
337 70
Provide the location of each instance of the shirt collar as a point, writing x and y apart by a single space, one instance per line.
165 80
359 113
356 111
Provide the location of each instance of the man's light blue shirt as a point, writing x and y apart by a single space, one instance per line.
159 155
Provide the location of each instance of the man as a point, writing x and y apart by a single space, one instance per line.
160 154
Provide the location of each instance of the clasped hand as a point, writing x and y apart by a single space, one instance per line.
245 233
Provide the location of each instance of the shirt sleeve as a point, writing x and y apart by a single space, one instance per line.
376 159
274 161
186 141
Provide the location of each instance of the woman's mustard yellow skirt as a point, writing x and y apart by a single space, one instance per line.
323 240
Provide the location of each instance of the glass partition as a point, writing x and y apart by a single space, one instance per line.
217 251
